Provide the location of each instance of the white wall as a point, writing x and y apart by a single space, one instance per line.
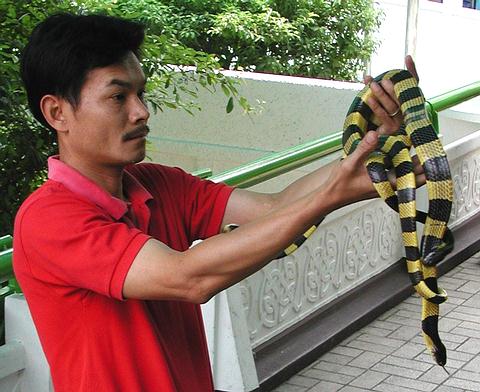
447 55
294 110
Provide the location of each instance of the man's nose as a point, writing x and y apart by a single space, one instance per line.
139 110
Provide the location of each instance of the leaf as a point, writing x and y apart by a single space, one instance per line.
244 104
229 107
170 105
225 89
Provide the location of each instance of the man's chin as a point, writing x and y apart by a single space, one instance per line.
138 158
133 158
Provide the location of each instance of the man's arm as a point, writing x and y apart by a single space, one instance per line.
198 273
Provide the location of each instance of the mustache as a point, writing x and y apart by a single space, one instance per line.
139 131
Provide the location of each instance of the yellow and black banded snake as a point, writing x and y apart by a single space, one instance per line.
393 153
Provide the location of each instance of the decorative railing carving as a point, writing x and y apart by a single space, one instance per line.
340 255
466 176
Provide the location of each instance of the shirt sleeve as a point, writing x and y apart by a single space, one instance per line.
205 204
70 242
202 203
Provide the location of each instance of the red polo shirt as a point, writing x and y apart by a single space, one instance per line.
73 246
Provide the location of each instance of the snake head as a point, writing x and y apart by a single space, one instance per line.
440 250
434 257
438 253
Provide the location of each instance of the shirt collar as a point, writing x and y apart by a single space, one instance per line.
83 186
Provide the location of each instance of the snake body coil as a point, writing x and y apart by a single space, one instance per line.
394 151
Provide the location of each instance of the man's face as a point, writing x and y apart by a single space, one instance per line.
108 126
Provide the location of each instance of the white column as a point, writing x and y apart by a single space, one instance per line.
229 343
19 327
412 23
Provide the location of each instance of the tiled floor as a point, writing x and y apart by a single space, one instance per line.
389 355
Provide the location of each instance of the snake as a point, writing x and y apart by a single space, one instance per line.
393 153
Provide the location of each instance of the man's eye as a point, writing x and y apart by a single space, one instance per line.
141 94
119 97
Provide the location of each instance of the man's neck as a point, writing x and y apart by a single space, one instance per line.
107 177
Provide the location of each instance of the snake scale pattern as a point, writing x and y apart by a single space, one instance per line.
393 152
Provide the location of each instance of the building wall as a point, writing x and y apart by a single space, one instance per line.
292 111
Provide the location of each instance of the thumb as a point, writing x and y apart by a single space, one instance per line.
366 146
410 65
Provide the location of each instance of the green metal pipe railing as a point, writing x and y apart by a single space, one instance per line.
278 163
6 270
455 97
6 242
202 173
273 165
6 263
6 256
450 99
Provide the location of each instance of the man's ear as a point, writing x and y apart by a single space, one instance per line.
53 109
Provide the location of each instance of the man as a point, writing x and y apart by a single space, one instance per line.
102 249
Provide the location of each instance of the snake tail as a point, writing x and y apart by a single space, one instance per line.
430 334
292 247
430 315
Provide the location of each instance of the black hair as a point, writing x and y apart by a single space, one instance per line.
63 48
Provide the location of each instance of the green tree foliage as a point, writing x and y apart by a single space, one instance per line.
24 144
321 38
169 63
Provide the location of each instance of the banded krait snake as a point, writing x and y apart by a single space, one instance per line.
393 151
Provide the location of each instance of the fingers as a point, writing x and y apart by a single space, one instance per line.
410 65
417 166
392 178
377 108
389 125
385 106
385 94
420 180
367 79
387 102
366 146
